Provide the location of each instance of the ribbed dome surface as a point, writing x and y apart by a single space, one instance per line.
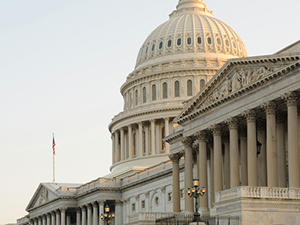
190 29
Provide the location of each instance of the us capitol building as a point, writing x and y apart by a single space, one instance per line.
195 106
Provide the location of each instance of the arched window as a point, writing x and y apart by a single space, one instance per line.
177 88
165 90
189 88
202 84
130 100
136 97
153 92
144 95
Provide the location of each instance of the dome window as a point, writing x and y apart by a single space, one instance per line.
178 41
234 45
199 41
177 89
169 43
189 88
153 47
146 50
136 97
202 84
209 40
165 90
189 41
219 41
227 42
144 95
160 45
153 92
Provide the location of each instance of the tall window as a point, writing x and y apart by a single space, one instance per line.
136 97
130 100
202 84
153 92
189 88
165 90
144 95
177 88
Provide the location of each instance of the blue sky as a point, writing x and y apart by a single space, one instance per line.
62 64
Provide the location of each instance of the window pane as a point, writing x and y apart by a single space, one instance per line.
165 90
177 91
169 43
189 88
189 41
179 41
136 97
144 95
160 45
153 92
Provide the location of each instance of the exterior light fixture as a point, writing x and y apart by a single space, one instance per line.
196 192
107 216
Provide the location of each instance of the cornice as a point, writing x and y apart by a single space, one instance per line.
178 135
190 112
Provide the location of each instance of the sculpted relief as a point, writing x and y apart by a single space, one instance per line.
43 196
237 79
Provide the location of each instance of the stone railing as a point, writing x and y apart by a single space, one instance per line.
99 183
153 216
148 172
258 192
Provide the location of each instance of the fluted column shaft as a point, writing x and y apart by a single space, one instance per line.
117 147
113 148
63 216
95 214
234 153
217 159
147 143
167 132
153 144
272 176
251 148
83 216
293 152
122 132
188 173
130 142
44 220
101 210
68 219
78 217
202 167
243 159
176 182
58 219
53 218
280 132
140 148
89 215
48 219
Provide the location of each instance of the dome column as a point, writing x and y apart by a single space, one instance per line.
167 132
117 147
153 144
122 144
140 142
130 142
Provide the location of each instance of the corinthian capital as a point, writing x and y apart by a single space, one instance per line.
291 98
250 115
176 156
269 107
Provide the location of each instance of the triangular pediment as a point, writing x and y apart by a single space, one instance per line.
238 77
42 196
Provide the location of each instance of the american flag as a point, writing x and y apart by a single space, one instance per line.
53 145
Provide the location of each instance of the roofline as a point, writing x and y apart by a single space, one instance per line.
286 48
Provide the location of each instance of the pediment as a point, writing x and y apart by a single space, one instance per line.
42 196
236 78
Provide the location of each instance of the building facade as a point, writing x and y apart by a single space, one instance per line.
195 106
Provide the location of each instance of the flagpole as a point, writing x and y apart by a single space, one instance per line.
53 153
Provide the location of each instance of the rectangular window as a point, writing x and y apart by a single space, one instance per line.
170 196
133 207
143 204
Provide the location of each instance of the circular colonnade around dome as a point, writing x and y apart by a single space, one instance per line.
175 62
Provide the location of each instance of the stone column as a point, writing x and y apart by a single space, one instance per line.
78 216
113 148
140 142
158 137
293 152
280 132
118 213
243 158
226 166
130 142
147 144
44 219
83 215
217 158
251 147
167 132
122 144
117 147
95 214
188 173
48 219
202 168
63 216
153 144
101 210
176 181
272 176
68 219
40 222
53 218
58 219
89 215
35 221
234 152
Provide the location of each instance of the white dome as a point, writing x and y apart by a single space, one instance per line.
190 29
